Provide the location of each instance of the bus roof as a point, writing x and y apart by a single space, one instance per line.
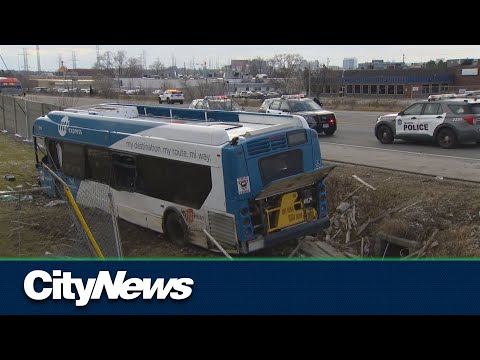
90 125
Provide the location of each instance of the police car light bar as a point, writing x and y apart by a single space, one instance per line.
220 97
298 96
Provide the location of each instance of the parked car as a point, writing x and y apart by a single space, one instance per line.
171 96
40 89
157 92
224 103
323 121
445 121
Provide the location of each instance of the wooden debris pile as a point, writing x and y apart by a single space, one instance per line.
346 237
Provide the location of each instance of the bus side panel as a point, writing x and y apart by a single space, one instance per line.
148 212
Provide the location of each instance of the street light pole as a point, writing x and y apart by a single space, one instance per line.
205 71
308 80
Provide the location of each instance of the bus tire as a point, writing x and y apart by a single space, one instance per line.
175 229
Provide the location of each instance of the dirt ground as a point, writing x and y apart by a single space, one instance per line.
451 207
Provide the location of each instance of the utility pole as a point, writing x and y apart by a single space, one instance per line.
98 55
308 80
74 60
39 69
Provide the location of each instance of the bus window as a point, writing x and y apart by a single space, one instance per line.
73 160
180 182
124 172
98 164
281 165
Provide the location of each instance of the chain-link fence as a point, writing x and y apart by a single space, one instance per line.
18 114
35 225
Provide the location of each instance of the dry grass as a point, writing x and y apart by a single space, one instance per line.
453 207
353 104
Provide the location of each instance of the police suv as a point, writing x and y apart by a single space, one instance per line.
317 118
446 121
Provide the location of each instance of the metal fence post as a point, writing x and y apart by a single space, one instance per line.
3 109
15 114
26 120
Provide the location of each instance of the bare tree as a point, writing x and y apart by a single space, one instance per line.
258 65
113 64
119 61
287 73
133 68
106 63
157 67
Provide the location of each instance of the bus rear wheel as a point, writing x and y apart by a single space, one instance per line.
175 229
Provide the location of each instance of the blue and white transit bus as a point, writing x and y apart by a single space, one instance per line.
249 180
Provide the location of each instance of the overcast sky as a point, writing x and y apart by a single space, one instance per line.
222 54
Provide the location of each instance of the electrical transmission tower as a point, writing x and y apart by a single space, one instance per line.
25 59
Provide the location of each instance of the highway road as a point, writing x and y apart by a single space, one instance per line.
354 142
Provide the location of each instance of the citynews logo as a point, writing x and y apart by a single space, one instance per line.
60 285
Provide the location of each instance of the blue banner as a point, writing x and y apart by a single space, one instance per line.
254 287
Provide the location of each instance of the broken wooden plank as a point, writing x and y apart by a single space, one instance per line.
312 250
299 245
354 191
427 244
12 191
379 217
405 208
363 182
396 240
350 255
329 249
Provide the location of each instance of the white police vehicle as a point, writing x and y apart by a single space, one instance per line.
446 121
171 96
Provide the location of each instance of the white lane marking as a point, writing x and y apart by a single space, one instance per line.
401 151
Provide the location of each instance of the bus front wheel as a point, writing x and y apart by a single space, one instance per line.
175 229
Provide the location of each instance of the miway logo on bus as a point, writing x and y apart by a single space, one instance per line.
61 285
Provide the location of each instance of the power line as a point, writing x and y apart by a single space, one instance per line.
1 57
